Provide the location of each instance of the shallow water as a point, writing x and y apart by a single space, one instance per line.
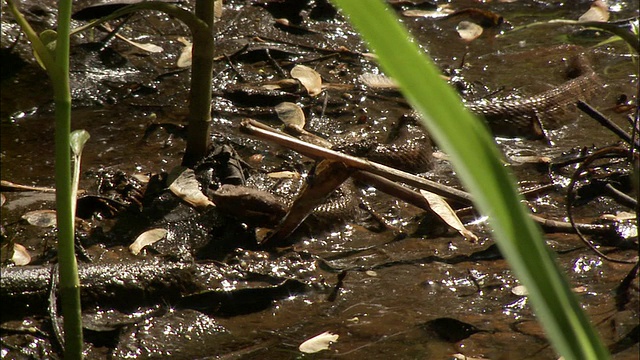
394 288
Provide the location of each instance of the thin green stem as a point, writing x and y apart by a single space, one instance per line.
68 267
38 46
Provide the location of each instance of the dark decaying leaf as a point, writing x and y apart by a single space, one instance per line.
286 25
416 5
449 329
96 205
90 10
242 301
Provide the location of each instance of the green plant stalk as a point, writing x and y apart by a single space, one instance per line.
68 266
45 55
477 162
57 67
200 95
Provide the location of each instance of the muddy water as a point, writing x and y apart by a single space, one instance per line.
399 292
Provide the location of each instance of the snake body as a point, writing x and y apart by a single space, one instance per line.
410 149
521 117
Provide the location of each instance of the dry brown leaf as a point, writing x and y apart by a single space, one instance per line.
143 178
378 81
532 159
520 290
148 237
469 31
318 343
20 256
187 188
370 56
291 115
309 78
446 213
41 218
217 9
431 14
184 60
620 216
284 175
152 48
148 47
598 12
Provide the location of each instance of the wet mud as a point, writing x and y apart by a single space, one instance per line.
390 279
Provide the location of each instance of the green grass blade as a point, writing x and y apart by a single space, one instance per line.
477 162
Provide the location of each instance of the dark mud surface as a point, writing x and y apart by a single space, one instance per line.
416 290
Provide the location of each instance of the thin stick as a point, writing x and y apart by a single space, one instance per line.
253 127
380 176
596 115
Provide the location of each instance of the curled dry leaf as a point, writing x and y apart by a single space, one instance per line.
184 60
432 14
20 256
598 12
446 213
291 115
370 56
284 175
147 238
533 159
148 47
41 218
620 216
217 9
309 78
143 178
469 31
519 290
187 188
318 343
152 48
378 81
